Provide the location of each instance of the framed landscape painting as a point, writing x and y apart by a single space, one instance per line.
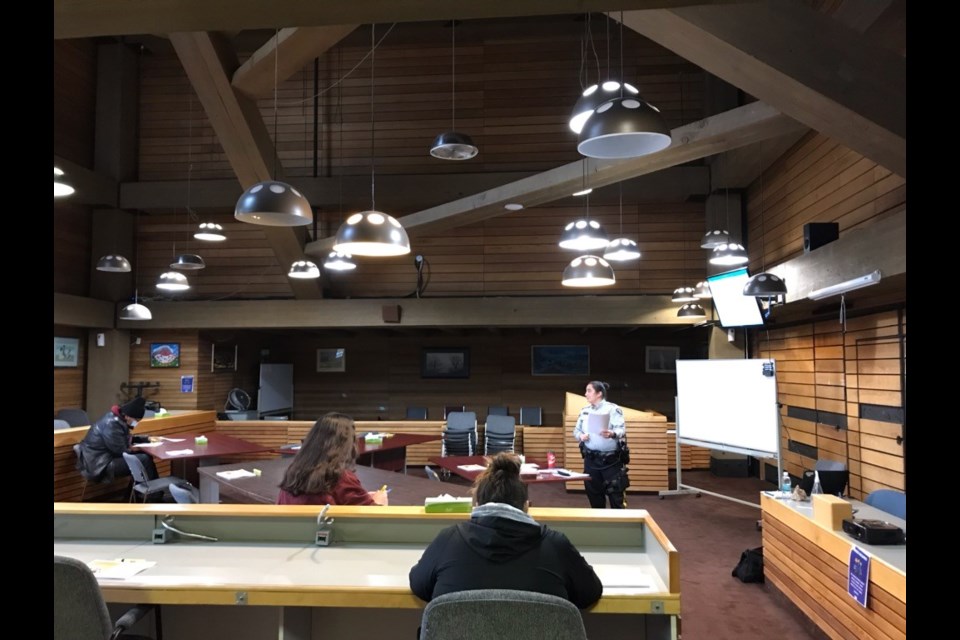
165 355
560 360
445 363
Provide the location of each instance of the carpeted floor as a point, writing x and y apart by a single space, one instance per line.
710 533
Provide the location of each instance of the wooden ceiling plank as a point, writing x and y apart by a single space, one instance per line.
839 83
242 134
257 76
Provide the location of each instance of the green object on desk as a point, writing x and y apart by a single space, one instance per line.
448 505
200 440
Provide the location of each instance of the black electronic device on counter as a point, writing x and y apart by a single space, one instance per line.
874 531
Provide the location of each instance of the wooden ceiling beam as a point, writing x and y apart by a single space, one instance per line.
209 62
90 18
839 83
295 47
735 128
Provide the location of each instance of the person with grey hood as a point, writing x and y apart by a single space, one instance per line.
502 547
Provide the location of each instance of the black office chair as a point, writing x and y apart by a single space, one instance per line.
74 417
460 436
416 413
80 612
144 485
495 614
447 410
498 410
431 473
499 434
531 416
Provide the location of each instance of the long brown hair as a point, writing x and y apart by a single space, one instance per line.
329 449
500 482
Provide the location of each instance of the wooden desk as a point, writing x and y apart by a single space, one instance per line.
405 490
218 444
391 454
267 579
808 563
452 464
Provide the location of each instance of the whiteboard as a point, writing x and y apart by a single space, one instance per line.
728 405
276 388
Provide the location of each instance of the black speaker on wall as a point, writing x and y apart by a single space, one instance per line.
817 234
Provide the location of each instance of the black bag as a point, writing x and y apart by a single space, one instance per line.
619 484
623 451
750 567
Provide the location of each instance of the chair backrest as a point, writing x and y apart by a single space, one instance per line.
74 417
462 421
498 410
184 493
432 474
60 424
416 413
494 614
136 468
80 612
531 416
500 427
447 410
889 500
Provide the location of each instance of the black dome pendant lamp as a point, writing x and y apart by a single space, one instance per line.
453 145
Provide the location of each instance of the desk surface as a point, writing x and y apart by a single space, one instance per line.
453 463
395 441
405 490
218 444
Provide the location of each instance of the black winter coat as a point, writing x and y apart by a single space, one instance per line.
106 439
499 553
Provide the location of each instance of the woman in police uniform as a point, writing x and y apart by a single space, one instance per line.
601 457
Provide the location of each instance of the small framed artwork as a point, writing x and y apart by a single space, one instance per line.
662 359
445 363
165 355
223 358
331 360
560 360
66 352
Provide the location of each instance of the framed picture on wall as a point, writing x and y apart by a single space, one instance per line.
331 360
445 363
66 352
223 358
560 360
165 355
662 359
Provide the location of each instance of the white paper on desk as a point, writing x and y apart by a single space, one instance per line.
471 467
147 445
528 468
119 569
597 422
233 474
172 439
180 452
615 575
569 474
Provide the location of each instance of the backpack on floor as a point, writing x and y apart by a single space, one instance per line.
750 567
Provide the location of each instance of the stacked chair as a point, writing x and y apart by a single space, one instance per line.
500 434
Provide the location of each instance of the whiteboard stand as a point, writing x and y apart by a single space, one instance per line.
679 491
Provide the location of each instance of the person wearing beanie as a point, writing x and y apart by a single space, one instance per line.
101 450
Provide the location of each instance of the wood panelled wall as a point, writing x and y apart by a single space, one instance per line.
74 99
69 383
843 398
383 370
818 180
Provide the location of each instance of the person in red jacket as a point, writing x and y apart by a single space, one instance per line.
322 470
502 547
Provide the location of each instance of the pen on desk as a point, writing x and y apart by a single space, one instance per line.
384 489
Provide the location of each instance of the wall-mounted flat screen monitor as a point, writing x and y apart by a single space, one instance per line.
734 308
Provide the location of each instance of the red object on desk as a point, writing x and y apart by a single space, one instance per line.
452 464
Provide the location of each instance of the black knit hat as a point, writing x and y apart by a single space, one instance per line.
134 408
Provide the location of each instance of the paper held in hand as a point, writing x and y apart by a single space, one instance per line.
597 422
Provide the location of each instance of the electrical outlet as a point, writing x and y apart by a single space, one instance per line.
731 335
160 536
324 538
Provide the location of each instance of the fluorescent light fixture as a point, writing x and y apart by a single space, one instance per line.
843 287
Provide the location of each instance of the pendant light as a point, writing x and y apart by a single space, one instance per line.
584 234
691 310
135 310
210 232
189 261
60 186
304 270
702 290
596 94
272 203
173 281
683 293
626 126
728 253
764 285
453 145
372 233
113 264
588 271
622 248
336 260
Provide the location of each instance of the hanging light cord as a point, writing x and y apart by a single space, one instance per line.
276 75
622 74
620 184
373 125
453 77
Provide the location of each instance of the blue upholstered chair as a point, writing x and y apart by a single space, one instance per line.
495 614
141 483
185 493
499 434
460 436
74 417
893 502
531 416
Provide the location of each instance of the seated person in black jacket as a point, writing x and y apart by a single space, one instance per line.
102 449
502 547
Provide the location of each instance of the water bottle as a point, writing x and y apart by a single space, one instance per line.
785 484
817 489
